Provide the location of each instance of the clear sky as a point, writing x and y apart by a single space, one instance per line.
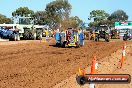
80 8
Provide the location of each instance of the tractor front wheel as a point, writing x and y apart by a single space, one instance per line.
96 39
107 38
64 45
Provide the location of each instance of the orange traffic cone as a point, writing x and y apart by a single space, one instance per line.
94 66
81 72
123 56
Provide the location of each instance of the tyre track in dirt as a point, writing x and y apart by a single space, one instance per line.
39 65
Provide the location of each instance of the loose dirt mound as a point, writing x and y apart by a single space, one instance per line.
38 65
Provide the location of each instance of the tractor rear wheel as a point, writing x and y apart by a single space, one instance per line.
26 34
39 37
13 37
33 36
125 37
77 45
39 34
96 39
64 44
107 38
18 37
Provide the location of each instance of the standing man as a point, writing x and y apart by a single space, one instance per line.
81 37
47 35
58 38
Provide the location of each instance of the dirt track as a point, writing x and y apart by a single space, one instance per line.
38 65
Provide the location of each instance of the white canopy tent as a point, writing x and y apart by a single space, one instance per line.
123 27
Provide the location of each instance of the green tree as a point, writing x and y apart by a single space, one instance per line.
73 22
118 15
57 11
93 24
23 11
4 19
99 17
40 17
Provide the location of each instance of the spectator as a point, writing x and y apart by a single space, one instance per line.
47 35
81 37
58 38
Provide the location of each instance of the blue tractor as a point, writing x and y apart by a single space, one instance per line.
7 33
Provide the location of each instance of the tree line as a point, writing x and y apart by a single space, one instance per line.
100 17
57 14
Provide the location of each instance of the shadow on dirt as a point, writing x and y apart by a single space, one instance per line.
59 46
